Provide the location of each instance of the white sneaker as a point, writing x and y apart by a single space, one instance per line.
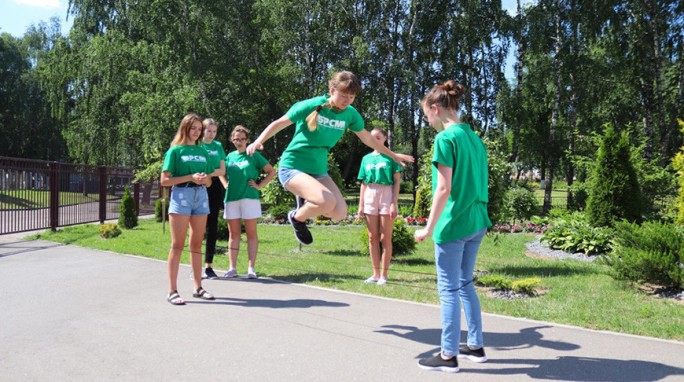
230 274
252 275
371 280
382 281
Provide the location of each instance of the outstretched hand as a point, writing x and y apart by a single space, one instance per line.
254 146
403 158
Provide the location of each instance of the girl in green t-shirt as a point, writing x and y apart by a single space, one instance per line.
457 222
303 168
215 192
380 178
242 198
185 168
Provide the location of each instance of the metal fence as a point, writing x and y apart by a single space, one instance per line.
38 194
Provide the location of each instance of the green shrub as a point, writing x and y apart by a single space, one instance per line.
574 235
678 165
520 203
128 216
275 194
614 193
651 252
334 172
494 281
109 230
279 211
527 286
421 206
158 209
499 170
403 242
580 194
405 210
222 228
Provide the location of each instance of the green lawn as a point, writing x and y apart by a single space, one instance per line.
13 199
576 293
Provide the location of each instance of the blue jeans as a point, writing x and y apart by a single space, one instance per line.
455 263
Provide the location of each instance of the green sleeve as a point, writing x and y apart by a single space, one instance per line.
444 152
300 110
169 161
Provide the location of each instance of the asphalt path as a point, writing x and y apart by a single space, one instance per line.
76 314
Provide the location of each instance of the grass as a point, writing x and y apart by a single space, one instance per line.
13 199
577 293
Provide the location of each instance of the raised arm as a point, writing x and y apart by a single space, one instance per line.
272 129
369 141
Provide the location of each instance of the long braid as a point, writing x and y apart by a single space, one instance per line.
312 119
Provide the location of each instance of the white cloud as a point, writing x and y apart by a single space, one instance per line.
47 4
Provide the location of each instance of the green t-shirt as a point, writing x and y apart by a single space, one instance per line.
459 148
216 153
181 160
308 150
240 169
378 169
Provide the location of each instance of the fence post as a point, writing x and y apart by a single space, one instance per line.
54 195
136 197
102 171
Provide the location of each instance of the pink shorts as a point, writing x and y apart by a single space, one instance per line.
377 199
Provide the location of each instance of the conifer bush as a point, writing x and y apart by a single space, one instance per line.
158 209
128 216
109 230
421 206
615 193
651 252
678 165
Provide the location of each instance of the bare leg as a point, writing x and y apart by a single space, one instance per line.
373 224
252 241
198 224
322 197
386 226
235 231
179 227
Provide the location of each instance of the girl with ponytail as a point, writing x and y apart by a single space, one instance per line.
319 123
457 223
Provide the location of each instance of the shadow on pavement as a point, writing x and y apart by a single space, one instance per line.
569 368
566 368
270 303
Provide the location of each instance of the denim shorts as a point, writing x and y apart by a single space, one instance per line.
286 174
189 201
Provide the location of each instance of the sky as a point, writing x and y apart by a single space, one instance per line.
17 15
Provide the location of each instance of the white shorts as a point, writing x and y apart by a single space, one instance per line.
377 199
242 209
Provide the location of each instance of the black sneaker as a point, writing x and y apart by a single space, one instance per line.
475 355
436 363
301 230
210 274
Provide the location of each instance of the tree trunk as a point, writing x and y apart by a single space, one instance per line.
558 66
520 57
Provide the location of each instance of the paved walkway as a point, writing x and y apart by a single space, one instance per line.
76 314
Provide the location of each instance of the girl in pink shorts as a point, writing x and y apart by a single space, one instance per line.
380 179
